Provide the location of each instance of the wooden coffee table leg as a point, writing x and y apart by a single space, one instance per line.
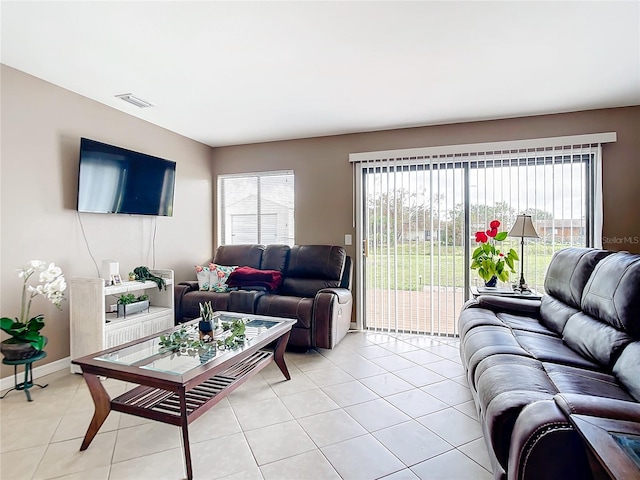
278 355
102 404
185 433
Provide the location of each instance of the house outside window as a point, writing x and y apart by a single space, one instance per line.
256 208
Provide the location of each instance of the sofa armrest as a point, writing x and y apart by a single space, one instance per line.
331 316
178 294
577 404
343 295
530 308
543 444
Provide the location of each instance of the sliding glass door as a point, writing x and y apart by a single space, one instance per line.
419 215
414 266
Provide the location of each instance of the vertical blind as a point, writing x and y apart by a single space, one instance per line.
417 212
256 208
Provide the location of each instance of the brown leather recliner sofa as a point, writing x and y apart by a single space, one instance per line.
315 290
530 364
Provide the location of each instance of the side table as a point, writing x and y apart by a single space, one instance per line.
28 374
505 292
613 446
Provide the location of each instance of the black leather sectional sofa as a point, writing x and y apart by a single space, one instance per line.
530 364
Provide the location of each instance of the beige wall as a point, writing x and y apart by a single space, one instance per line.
41 126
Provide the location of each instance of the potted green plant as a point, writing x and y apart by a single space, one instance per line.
491 263
26 339
129 304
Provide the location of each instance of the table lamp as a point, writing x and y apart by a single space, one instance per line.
523 228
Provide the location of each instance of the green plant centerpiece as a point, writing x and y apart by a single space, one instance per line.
130 303
489 260
183 341
236 333
26 340
143 274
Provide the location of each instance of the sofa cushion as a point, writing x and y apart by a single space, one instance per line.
312 268
578 380
612 294
594 339
626 369
249 255
547 348
275 257
569 272
519 322
554 313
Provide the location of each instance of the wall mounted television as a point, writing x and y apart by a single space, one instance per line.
116 180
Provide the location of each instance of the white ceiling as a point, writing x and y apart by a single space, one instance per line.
227 73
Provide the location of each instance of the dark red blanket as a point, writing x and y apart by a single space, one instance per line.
252 277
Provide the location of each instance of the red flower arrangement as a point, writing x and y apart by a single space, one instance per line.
488 259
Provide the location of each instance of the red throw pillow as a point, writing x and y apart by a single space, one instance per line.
253 277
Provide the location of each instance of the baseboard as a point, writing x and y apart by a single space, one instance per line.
38 372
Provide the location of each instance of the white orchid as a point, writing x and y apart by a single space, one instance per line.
51 285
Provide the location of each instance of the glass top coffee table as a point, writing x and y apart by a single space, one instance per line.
177 388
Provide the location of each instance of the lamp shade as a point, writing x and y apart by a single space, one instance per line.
523 227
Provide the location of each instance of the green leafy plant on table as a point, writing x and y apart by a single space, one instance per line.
236 337
487 257
182 342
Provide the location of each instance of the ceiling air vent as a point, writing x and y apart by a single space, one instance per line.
138 102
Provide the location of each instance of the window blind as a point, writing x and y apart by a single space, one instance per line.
417 211
256 208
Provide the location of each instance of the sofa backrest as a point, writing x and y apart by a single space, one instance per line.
613 293
249 255
275 257
312 268
564 283
569 272
608 328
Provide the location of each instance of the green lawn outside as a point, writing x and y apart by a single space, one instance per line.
413 266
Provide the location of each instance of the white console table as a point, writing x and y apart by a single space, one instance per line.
93 327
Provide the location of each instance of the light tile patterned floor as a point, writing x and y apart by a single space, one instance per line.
378 406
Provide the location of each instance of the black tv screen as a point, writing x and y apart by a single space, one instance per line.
116 180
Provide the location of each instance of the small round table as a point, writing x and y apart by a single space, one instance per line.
28 374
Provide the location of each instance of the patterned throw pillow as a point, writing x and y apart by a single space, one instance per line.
203 275
219 274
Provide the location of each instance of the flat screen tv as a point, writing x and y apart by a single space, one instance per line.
115 180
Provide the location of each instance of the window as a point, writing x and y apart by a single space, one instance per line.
256 208
417 211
